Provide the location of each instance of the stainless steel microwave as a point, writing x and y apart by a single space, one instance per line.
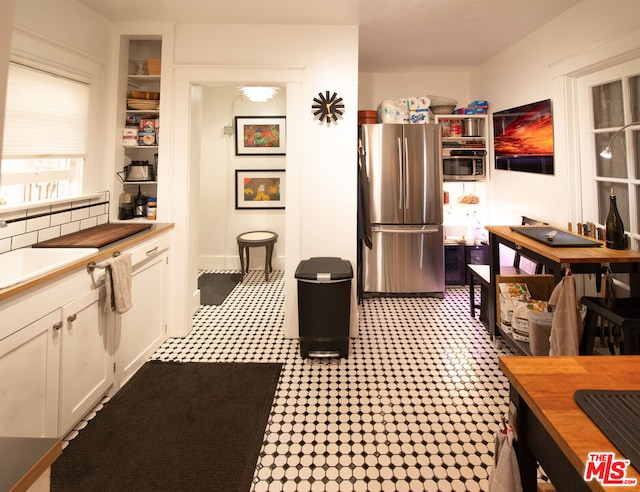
464 168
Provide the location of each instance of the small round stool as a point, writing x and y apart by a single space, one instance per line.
252 239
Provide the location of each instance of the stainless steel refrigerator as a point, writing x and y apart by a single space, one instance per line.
403 165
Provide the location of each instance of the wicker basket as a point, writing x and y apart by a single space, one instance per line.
153 66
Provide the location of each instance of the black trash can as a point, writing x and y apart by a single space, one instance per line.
324 306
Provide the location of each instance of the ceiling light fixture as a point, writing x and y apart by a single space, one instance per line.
606 153
257 93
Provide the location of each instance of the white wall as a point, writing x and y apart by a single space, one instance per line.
67 23
220 222
320 218
523 74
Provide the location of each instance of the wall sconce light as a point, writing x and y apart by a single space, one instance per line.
606 153
257 93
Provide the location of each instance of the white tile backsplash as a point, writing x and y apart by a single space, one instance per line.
81 214
38 223
24 240
97 210
38 210
69 228
49 233
60 219
13 229
89 222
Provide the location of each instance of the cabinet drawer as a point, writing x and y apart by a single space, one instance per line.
149 249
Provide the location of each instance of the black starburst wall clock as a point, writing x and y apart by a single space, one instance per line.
327 109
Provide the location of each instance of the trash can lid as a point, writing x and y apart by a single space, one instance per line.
324 267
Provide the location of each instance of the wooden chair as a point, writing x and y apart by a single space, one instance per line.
479 274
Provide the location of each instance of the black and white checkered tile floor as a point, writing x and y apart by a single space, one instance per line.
414 406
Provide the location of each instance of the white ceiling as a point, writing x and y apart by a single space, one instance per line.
395 35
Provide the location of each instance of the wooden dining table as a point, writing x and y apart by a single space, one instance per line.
556 260
551 427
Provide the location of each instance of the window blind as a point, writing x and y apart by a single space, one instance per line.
46 115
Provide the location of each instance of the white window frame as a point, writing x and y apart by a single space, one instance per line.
588 152
40 53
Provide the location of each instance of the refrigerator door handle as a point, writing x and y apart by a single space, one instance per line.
400 174
405 230
406 174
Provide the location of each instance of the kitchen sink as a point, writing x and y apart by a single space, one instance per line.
25 264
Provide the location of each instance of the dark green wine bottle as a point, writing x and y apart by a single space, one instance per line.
615 228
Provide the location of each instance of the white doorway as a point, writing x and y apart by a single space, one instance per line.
220 221
184 182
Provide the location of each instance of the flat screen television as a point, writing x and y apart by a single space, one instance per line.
523 138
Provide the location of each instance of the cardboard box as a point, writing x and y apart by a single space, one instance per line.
148 124
147 138
540 287
154 66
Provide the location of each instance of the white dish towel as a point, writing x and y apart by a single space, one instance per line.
117 280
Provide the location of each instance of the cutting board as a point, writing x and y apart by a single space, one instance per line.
94 237
562 239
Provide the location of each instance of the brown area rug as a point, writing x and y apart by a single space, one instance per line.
174 427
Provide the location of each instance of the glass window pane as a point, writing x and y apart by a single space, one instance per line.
616 167
608 109
634 96
621 192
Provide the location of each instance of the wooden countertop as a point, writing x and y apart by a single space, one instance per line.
567 255
24 459
104 252
547 384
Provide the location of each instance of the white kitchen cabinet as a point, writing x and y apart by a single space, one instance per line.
140 331
86 360
60 352
29 361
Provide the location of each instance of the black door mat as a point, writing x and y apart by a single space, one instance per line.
617 415
215 287
561 240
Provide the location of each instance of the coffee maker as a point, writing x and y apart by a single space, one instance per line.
126 208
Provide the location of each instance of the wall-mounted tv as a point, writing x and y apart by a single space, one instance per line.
523 138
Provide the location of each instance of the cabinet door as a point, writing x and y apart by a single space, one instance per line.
86 365
29 379
141 329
